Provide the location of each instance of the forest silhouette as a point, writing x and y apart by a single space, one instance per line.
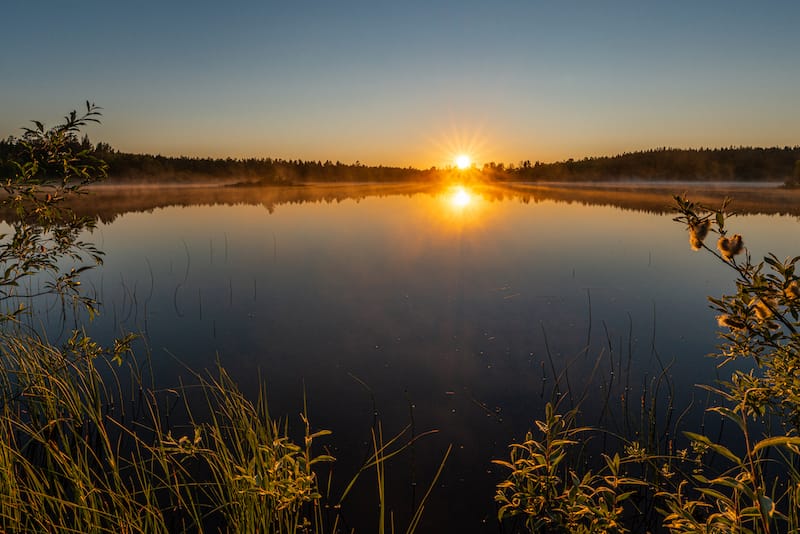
775 164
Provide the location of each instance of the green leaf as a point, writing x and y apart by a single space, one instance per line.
776 441
715 494
772 260
719 449
730 414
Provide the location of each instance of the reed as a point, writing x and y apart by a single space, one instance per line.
85 450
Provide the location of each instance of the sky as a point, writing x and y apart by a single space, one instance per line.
408 83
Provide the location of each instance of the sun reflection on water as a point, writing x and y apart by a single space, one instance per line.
460 197
459 206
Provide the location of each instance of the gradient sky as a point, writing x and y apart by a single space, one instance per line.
407 83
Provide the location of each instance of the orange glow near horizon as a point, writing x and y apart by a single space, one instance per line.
460 148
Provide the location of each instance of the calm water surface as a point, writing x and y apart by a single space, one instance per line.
444 309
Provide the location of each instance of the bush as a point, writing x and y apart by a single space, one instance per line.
710 489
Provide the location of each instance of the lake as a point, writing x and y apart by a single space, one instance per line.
461 309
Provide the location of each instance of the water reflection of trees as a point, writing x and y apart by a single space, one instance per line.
108 202
748 199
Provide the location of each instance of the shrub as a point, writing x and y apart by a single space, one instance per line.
713 489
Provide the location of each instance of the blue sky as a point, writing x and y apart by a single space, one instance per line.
407 83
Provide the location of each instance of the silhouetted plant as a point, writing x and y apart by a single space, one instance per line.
546 488
761 322
49 166
713 489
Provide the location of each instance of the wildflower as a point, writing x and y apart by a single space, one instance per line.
666 472
697 233
792 291
730 247
636 452
699 448
731 322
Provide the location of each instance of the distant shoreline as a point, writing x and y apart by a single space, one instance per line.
664 165
609 183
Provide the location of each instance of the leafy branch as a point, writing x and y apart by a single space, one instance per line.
48 168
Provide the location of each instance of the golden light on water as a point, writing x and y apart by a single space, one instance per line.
459 206
460 197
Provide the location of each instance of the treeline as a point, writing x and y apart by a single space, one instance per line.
669 164
146 168
666 164
262 171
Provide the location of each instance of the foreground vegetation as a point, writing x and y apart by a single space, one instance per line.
88 444
749 484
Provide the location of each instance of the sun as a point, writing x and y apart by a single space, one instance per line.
463 161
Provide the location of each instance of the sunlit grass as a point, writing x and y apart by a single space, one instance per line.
87 446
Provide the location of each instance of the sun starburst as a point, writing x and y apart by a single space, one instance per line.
463 161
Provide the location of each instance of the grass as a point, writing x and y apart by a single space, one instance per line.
77 456
85 447
63 462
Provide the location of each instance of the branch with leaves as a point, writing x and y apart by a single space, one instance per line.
50 166
761 319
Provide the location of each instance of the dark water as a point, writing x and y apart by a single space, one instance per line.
444 309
